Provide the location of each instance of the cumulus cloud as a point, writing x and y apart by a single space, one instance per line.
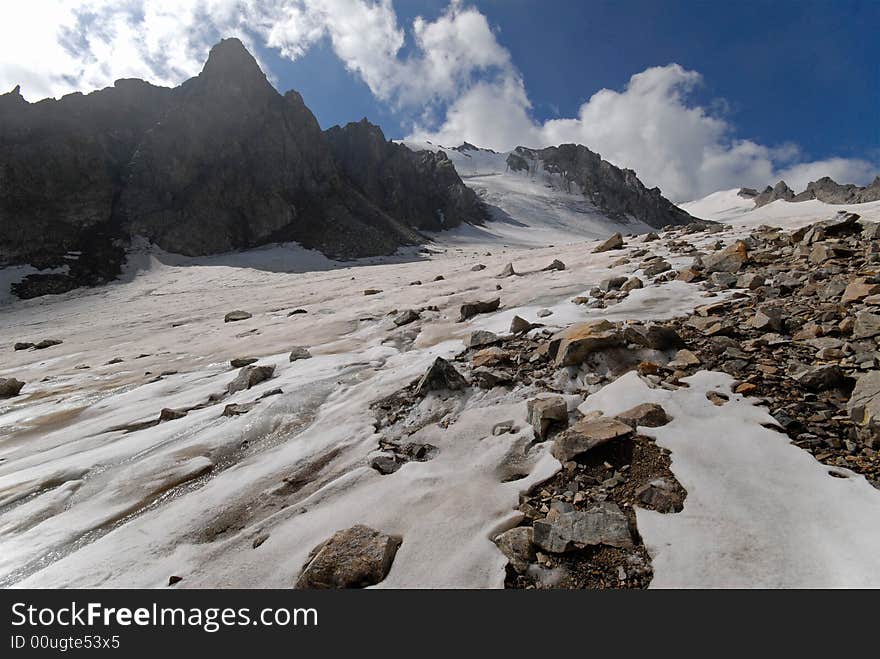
450 78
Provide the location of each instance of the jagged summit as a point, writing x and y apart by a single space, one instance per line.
824 189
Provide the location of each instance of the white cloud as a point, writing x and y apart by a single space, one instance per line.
451 73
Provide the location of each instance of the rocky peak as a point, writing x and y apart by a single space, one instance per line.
232 70
778 191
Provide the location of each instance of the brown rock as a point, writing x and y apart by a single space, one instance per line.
353 558
587 434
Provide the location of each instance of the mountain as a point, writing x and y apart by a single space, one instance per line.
825 189
220 163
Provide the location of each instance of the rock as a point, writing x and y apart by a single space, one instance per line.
23 345
354 558
867 325
729 259
504 427
612 284
372 291
650 237
168 414
683 359
406 317
768 319
656 268
546 411
489 357
478 267
234 316
441 375
481 338
614 242
660 495
516 545
723 279
250 376
543 313
47 343
507 272
555 265
10 387
237 409
487 378
650 415
174 579
241 362
574 344
689 275
296 312
299 352
603 524
586 435
864 408
750 280
822 378
520 325
656 337
385 464
631 284
471 309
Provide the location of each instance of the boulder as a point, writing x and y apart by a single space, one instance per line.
822 378
768 319
614 242
353 558
235 316
867 325
864 408
516 545
656 337
10 387
406 317
489 356
508 271
481 338
545 411
168 414
574 344
441 375
250 376
603 524
660 495
471 309
236 409
586 435
555 265
23 345
241 362
299 352
47 343
729 259
520 325
650 415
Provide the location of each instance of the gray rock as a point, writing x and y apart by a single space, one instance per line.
656 268
234 316
47 343
574 344
507 272
385 464
441 375
586 435
612 284
864 408
250 376
353 558
481 338
406 317
822 378
471 309
10 387
237 409
614 242
768 319
544 412
299 352
650 415
241 362
603 524
867 325
555 265
516 545
478 267
520 325
660 495
729 259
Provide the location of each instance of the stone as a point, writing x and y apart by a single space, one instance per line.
168 414
768 319
586 435
481 338
489 356
385 464
723 279
520 325
729 259
471 309
656 337
822 378
10 387
47 343
683 359
353 558
299 352
516 545
543 313
864 408
236 409
546 411
631 284
504 427
689 275
441 375
23 345
250 376
555 265
859 289
866 325
576 343
612 284
235 316
750 280
614 242
508 271
372 291
660 495
406 317
602 524
241 362
650 415
486 378
478 267
656 268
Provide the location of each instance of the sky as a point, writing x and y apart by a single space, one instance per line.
695 96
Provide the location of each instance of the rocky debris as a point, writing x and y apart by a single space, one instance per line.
481 338
386 463
250 376
768 319
440 376
487 378
771 194
573 345
516 544
864 408
858 289
587 434
602 524
650 415
406 317
661 495
471 309
237 409
545 412
241 362
555 265
299 352
508 271
614 242
235 316
10 387
353 558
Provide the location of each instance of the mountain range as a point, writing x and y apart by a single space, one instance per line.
224 162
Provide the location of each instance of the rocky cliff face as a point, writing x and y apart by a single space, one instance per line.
825 189
616 192
222 162
422 187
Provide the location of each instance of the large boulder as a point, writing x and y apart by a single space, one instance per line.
353 558
586 435
729 259
546 411
10 387
603 524
864 408
250 376
441 375
574 344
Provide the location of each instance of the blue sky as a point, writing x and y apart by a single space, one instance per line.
695 95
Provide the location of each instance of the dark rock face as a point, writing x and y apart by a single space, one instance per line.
825 189
220 163
778 191
616 192
422 188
